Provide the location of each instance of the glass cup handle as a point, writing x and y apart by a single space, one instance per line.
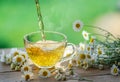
69 55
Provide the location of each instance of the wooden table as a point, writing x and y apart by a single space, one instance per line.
8 75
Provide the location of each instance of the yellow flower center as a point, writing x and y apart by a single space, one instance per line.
85 35
15 53
99 52
88 56
26 68
88 48
19 59
91 40
82 56
45 73
77 25
115 70
79 62
27 77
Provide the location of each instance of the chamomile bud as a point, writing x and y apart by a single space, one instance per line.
12 66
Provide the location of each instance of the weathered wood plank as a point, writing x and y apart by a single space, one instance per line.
16 77
10 77
92 72
4 67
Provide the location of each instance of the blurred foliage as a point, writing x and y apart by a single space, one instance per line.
18 17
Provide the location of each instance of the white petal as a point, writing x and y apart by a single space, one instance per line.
2 58
81 46
25 54
13 50
8 59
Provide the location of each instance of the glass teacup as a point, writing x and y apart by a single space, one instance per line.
47 53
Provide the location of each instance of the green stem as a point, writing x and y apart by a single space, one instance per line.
101 30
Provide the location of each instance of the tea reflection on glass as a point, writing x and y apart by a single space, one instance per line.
45 53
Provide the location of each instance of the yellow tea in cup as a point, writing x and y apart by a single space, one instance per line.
45 53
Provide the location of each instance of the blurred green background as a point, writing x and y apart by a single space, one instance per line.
19 17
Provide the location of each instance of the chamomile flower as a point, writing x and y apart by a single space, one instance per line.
17 68
77 25
85 35
79 63
92 39
27 76
18 59
81 47
2 56
44 73
100 51
8 59
26 68
85 64
24 54
12 66
14 52
114 70
88 48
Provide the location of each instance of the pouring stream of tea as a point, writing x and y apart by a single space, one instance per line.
40 20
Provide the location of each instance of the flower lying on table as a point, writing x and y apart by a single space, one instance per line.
115 70
14 58
44 73
26 68
18 61
27 76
